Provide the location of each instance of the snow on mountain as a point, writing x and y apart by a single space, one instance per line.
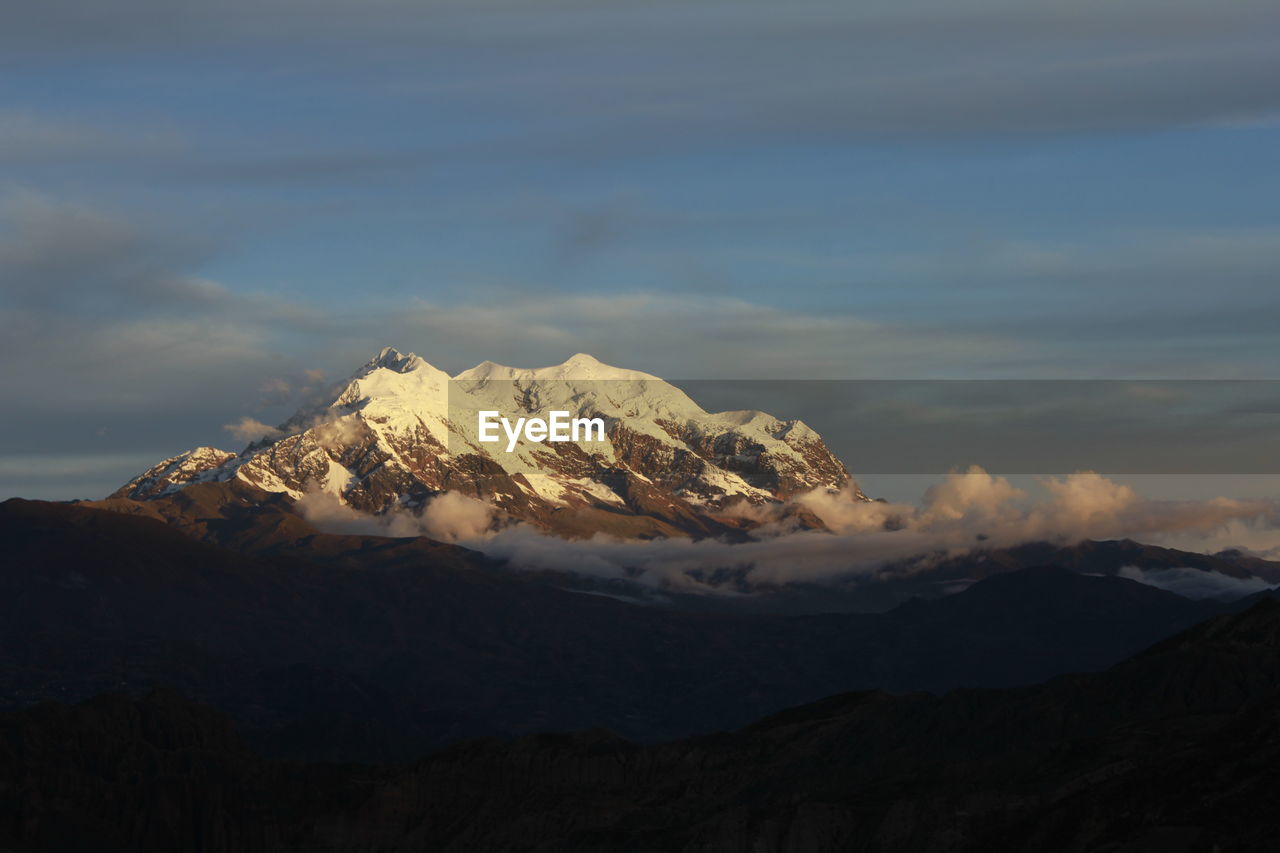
401 431
200 464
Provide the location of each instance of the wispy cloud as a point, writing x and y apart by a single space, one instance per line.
31 137
1195 583
248 429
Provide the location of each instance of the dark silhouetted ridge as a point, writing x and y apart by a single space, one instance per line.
1149 755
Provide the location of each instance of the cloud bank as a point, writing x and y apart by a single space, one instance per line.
449 517
870 541
1197 584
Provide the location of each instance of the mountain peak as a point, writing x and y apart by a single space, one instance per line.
580 366
392 359
582 358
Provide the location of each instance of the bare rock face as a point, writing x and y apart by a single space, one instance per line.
401 432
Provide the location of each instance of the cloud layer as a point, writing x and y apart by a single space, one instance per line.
917 67
870 541
1197 584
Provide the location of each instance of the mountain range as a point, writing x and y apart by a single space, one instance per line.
400 432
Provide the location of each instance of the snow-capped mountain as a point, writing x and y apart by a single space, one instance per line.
401 431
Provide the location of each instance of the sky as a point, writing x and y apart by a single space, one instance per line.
208 210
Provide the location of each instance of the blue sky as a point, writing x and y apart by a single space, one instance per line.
202 201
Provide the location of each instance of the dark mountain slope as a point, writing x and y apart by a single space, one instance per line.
1176 749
